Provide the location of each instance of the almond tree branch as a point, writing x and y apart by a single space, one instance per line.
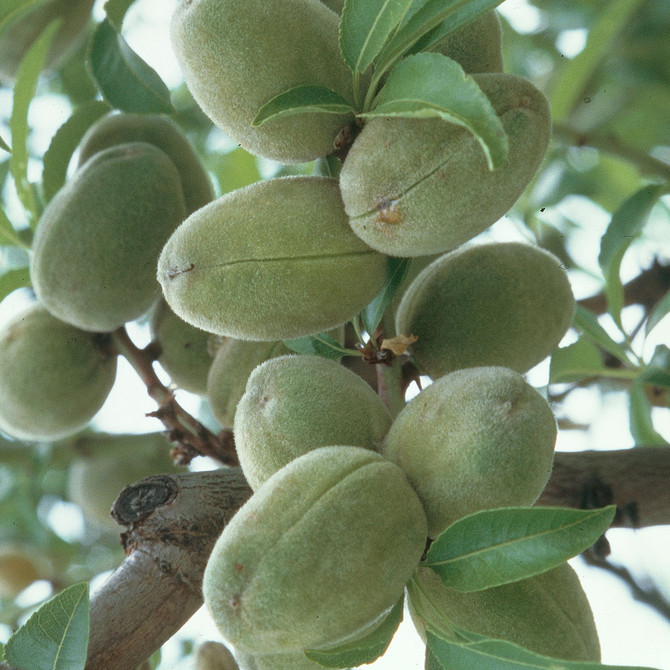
191 436
172 522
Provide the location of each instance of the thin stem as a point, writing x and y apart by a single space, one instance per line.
613 145
190 435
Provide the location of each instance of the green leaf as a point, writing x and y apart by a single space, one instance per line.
430 85
55 637
116 10
10 10
660 311
575 362
657 371
365 650
301 100
365 26
626 224
319 345
587 322
235 169
5 146
428 16
499 546
8 236
453 22
373 313
64 142
13 279
502 655
641 423
24 91
125 80
327 166
613 17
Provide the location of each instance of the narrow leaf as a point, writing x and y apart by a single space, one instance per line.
626 224
641 422
125 80
10 10
373 313
577 361
500 546
613 17
8 235
116 11
56 635
24 91
5 146
365 27
659 312
429 15
430 85
64 142
587 322
301 100
364 650
657 371
453 22
12 280
503 655
319 345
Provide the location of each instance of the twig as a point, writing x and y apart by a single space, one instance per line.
191 437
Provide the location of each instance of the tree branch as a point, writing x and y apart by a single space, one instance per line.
172 523
191 436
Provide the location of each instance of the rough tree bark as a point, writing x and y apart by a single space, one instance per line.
172 523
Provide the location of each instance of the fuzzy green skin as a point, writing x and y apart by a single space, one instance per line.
294 404
214 656
548 614
319 553
503 304
97 243
477 46
161 132
235 360
416 187
474 439
184 350
270 261
236 56
116 461
53 377
20 34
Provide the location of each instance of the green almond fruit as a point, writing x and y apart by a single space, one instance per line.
234 361
477 46
548 614
271 261
294 404
184 350
53 377
416 187
236 56
112 462
318 554
214 656
97 243
20 34
161 132
503 304
474 439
